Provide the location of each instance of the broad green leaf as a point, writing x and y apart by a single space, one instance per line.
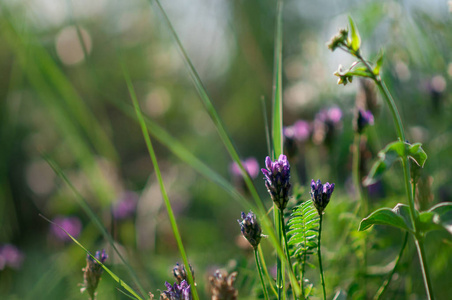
356 39
416 153
390 154
437 218
398 217
386 158
378 63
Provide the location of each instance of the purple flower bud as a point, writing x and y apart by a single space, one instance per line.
277 177
72 225
321 194
92 273
251 229
362 120
10 256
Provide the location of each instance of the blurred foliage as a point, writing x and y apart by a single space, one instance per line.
69 101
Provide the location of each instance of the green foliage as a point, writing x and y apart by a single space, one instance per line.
355 42
390 154
303 229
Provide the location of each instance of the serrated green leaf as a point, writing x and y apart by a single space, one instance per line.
398 217
356 39
303 232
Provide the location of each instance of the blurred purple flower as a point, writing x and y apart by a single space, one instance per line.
363 119
301 130
332 115
72 225
10 256
251 166
126 206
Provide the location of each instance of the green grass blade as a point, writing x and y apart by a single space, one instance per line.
277 86
82 202
211 111
113 275
172 219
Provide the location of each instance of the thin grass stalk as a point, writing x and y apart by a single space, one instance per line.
259 269
361 199
279 279
386 283
319 254
169 209
264 267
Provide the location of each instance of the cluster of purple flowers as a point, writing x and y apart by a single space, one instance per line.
277 180
321 194
178 291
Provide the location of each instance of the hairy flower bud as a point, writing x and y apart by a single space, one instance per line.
180 273
222 285
251 229
338 40
321 194
93 272
277 176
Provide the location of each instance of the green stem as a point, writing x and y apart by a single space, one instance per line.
319 254
385 285
259 269
406 170
279 284
264 266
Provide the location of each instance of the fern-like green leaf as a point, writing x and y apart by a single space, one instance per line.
303 230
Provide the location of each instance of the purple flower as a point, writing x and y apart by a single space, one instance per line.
92 272
10 256
363 119
251 166
126 205
277 176
321 194
72 225
251 229
299 131
177 291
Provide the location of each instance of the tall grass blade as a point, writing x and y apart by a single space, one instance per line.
266 223
113 275
147 139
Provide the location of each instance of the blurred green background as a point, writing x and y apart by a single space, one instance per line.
69 102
